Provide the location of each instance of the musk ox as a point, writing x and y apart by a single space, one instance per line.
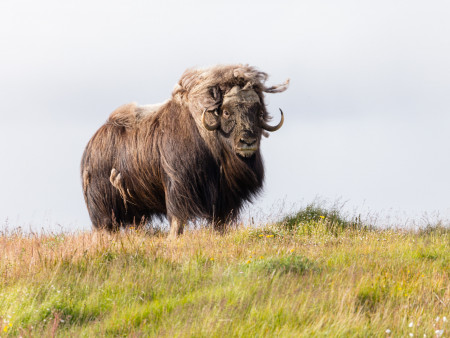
197 155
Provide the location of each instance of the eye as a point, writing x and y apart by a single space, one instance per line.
226 113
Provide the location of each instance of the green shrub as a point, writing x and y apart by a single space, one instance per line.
313 214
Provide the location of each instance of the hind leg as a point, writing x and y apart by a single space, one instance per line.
105 205
103 221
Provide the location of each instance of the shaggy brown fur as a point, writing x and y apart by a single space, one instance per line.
161 160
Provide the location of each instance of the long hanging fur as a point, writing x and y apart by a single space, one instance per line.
160 161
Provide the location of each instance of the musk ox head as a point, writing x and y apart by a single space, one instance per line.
228 102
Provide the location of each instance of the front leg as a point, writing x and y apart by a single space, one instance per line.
176 227
219 225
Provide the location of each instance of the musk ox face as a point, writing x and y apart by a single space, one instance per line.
239 120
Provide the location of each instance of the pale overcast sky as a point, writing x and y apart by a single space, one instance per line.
367 112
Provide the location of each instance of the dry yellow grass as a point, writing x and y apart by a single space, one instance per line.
306 280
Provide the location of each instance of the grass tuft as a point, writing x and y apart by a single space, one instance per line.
313 214
296 264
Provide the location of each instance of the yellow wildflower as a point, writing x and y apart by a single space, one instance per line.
268 236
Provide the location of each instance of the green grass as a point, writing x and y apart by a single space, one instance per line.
316 276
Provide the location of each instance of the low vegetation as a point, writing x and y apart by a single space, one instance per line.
312 274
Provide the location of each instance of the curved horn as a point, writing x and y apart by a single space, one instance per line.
265 126
206 125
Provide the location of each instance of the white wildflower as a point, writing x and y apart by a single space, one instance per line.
411 324
388 331
444 319
411 335
439 332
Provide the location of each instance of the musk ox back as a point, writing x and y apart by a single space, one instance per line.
195 156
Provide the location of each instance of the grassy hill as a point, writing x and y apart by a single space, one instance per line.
313 274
